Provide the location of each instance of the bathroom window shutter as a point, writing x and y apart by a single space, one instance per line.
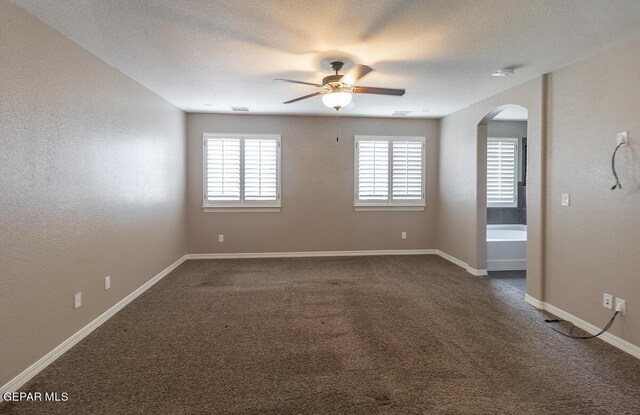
502 170
223 169
407 170
373 170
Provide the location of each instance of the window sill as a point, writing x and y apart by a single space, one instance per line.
361 208
235 209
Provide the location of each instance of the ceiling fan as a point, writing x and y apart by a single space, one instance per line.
337 89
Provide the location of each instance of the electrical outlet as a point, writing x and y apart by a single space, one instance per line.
622 138
607 301
107 282
404 235
220 238
77 300
621 306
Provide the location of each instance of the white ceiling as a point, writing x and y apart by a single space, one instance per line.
512 113
227 53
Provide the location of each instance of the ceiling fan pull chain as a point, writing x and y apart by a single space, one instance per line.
337 126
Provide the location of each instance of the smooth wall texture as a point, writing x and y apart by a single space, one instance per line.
92 183
317 189
593 246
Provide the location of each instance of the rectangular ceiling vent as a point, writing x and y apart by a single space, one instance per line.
401 113
240 109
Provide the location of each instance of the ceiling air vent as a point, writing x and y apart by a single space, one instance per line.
401 113
504 72
240 109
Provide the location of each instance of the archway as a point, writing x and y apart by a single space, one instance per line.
506 247
502 179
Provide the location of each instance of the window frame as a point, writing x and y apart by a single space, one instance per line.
516 174
390 203
242 205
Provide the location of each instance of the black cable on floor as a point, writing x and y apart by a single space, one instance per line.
604 330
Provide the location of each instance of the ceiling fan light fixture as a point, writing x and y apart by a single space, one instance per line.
336 100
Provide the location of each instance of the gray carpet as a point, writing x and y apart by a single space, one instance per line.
365 335
515 279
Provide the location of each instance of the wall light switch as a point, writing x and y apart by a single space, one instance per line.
564 201
107 282
77 300
622 137
404 235
220 238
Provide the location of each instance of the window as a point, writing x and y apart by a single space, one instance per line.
389 172
502 168
241 172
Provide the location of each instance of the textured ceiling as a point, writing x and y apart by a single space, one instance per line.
227 53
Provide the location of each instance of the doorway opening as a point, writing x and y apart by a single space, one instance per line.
506 196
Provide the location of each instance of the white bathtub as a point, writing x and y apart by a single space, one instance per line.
506 247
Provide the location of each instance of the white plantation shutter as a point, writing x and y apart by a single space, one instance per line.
260 169
373 170
407 170
502 168
241 170
223 169
389 171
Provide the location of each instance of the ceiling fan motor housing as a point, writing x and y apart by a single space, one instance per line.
337 66
332 82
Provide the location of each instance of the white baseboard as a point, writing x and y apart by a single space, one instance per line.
26 375
235 255
460 263
613 340
506 264
534 302
477 272
312 254
15 383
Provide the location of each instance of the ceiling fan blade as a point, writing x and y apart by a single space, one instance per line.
298 82
380 91
355 73
315 94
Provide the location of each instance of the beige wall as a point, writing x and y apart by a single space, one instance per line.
593 246
317 189
517 129
92 183
462 181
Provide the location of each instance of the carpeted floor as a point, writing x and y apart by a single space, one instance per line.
516 279
360 335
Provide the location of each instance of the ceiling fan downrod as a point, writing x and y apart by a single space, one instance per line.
337 66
